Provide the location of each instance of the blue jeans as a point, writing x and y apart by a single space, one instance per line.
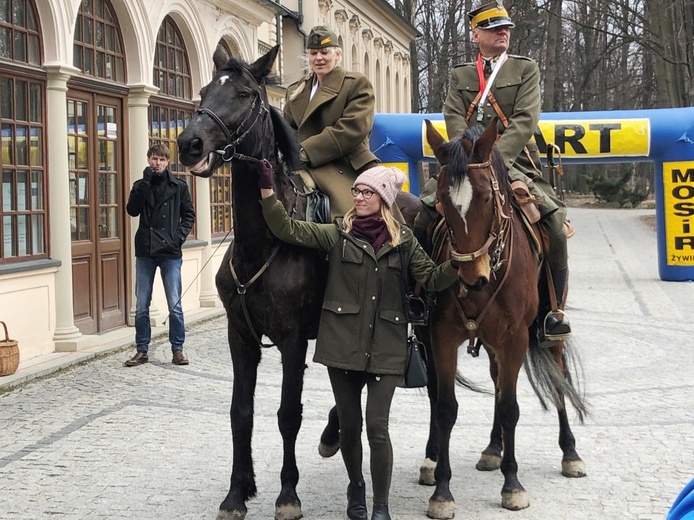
145 269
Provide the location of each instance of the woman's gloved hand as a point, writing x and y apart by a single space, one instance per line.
266 175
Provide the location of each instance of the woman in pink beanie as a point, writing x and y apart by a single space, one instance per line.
363 328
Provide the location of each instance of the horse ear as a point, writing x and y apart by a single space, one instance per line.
263 65
436 141
486 141
220 57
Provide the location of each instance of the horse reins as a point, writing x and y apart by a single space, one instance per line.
503 226
228 153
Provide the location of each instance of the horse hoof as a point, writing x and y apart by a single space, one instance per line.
488 462
573 468
515 500
326 451
288 512
426 473
441 509
231 515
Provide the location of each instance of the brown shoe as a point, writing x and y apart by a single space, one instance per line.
138 359
179 358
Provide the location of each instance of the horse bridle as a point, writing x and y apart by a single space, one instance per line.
498 231
502 224
229 151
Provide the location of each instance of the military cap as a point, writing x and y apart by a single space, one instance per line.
489 16
321 37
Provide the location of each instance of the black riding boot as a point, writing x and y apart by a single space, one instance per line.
380 512
556 324
356 501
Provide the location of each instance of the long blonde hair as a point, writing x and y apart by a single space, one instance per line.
392 225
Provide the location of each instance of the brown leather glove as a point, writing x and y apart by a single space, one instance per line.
266 177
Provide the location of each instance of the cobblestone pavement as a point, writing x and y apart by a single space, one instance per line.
102 441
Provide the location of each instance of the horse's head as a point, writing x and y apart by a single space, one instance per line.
469 192
232 115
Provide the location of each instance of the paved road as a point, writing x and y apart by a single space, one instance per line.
102 441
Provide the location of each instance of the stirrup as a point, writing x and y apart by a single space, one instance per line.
555 337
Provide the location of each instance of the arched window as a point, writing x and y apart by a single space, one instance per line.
98 48
378 88
171 110
398 89
23 197
390 88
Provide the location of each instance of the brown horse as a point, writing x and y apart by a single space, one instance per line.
496 303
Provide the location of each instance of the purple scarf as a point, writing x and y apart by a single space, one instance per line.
371 229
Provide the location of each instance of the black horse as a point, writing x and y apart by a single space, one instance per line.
267 288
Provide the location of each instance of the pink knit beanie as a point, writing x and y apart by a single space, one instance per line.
384 181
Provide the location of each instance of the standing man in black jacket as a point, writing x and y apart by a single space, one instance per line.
166 214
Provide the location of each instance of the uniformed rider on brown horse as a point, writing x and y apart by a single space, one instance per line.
502 87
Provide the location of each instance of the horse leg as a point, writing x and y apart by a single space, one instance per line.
330 438
441 502
571 464
513 495
490 459
289 416
426 470
245 357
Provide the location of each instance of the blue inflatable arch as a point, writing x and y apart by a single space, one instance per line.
662 136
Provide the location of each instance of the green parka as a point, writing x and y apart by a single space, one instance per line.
363 325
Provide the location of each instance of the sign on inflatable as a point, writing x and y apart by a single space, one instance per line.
662 136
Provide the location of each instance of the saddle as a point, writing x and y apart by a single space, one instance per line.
317 208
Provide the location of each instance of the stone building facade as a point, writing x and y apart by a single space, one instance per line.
85 87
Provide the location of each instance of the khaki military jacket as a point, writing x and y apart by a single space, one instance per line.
337 122
517 91
363 325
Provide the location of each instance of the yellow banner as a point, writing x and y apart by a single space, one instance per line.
598 137
440 126
405 169
586 139
678 186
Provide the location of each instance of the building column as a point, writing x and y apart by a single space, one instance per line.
203 221
67 337
138 134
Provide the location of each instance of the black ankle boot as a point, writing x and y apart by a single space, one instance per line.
356 501
556 324
380 512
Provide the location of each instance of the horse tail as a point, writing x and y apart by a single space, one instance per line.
287 141
464 382
550 384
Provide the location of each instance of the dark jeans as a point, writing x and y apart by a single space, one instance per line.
145 269
347 386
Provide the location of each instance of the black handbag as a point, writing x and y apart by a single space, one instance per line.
416 312
416 367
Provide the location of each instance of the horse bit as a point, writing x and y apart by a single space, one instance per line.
502 225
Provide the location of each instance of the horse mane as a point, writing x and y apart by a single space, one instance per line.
457 166
286 139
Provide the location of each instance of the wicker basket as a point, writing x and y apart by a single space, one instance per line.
9 354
